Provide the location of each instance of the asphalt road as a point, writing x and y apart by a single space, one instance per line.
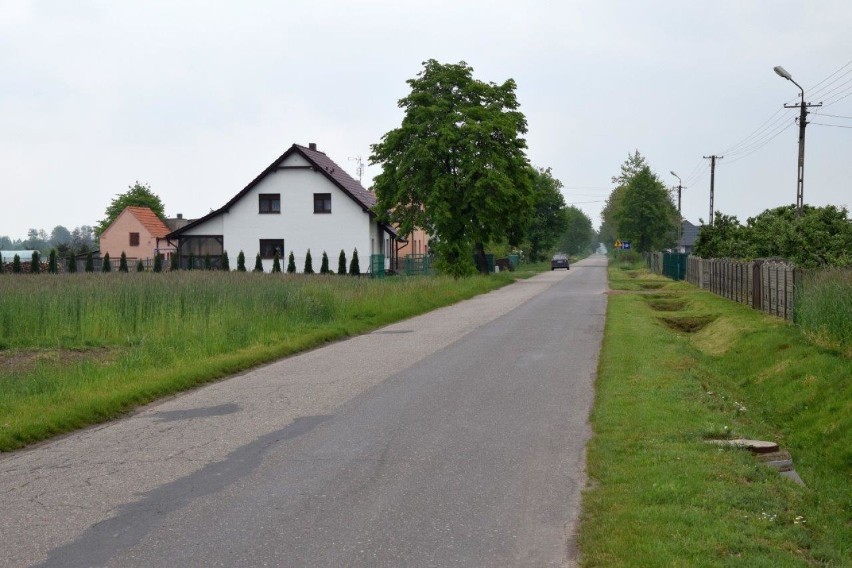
451 439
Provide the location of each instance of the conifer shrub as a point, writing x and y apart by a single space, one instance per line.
324 266
175 261
309 263
106 266
208 262
35 264
122 262
90 263
276 263
72 264
291 264
140 266
354 266
226 264
158 262
258 264
51 262
191 261
241 262
341 263
16 264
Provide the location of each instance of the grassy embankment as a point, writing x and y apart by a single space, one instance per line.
84 348
681 366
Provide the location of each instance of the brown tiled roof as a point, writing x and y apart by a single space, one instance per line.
149 220
320 163
344 180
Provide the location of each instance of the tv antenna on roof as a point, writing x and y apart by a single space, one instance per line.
359 167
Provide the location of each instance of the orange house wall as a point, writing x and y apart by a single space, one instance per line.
116 239
418 243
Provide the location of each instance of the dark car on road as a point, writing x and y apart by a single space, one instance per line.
559 261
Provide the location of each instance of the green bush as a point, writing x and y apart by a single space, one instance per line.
158 262
291 264
324 266
241 262
106 265
90 262
35 264
122 263
16 264
341 263
72 264
309 263
258 264
51 262
354 266
226 264
208 262
190 265
276 263
175 261
140 266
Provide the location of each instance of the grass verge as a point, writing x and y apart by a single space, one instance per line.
80 349
680 366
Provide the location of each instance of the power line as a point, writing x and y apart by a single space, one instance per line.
809 89
837 100
757 144
831 115
832 125
759 147
831 93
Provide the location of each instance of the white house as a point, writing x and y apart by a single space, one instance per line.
302 201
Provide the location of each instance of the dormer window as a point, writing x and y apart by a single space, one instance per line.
269 203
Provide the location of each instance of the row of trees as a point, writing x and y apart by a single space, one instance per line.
457 168
79 240
35 264
821 237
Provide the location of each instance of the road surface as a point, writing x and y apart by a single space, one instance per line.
452 439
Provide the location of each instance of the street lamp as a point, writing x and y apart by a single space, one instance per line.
803 122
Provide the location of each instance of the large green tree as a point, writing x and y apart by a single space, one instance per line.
456 167
609 232
139 194
647 217
579 236
548 220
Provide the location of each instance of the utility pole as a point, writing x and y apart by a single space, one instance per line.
712 159
679 215
803 122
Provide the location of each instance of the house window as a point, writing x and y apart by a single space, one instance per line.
268 248
269 203
322 203
134 239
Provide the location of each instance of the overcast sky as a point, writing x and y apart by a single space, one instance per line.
197 98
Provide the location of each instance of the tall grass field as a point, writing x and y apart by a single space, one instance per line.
823 307
78 349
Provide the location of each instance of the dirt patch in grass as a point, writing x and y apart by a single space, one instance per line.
689 324
666 305
23 360
651 285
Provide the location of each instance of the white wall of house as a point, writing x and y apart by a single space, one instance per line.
347 227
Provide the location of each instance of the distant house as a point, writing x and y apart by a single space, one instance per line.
689 233
415 243
302 200
137 232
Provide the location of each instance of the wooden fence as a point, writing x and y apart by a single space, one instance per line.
766 285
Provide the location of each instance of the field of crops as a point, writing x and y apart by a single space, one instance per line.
77 349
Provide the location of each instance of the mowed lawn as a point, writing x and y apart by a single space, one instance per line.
77 349
679 367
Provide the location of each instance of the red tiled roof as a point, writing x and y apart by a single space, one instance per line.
149 220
